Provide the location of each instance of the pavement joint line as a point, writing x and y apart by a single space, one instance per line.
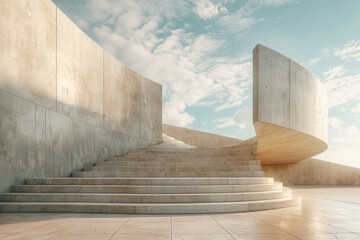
222 226
276 227
123 225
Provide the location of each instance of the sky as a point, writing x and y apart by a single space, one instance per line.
201 52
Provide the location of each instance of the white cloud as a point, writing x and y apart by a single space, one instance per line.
341 90
357 108
313 61
242 19
351 51
242 118
174 114
334 72
206 9
183 62
335 122
352 130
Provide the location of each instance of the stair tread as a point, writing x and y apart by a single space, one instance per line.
151 194
144 204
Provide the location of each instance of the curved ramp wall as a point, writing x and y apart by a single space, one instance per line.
290 110
198 138
64 102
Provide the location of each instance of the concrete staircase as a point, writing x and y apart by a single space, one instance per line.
157 180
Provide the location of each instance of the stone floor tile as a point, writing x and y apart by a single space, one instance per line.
139 237
147 225
299 227
204 237
82 237
265 236
234 216
348 225
28 237
195 224
43 227
95 228
249 227
325 236
275 215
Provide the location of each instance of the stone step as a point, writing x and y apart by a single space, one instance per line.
171 169
168 174
150 181
144 198
178 164
182 158
184 155
146 208
145 188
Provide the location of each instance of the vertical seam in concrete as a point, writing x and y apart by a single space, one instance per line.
140 91
289 97
45 145
56 47
103 88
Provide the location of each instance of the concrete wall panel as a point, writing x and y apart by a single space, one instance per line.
122 107
28 50
288 95
79 73
290 109
22 140
65 144
313 172
272 86
151 110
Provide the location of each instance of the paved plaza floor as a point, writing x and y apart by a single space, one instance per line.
325 213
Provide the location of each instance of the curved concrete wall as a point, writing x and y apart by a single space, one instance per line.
64 101
289 109
313 172
198 138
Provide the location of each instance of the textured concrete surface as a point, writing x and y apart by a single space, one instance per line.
22 140
290 112
325 213
79 73
314 172
198 138
122 107
53 99
39 142
28 50
151 110
287 95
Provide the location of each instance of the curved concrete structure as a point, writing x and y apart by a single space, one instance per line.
289 109
290 113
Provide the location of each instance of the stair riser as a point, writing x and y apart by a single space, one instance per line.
144 189
167 169
179 164
238 197
159 181
169 174
158 209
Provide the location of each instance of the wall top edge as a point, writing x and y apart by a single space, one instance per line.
59 11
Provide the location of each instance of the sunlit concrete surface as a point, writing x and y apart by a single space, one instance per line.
325 213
